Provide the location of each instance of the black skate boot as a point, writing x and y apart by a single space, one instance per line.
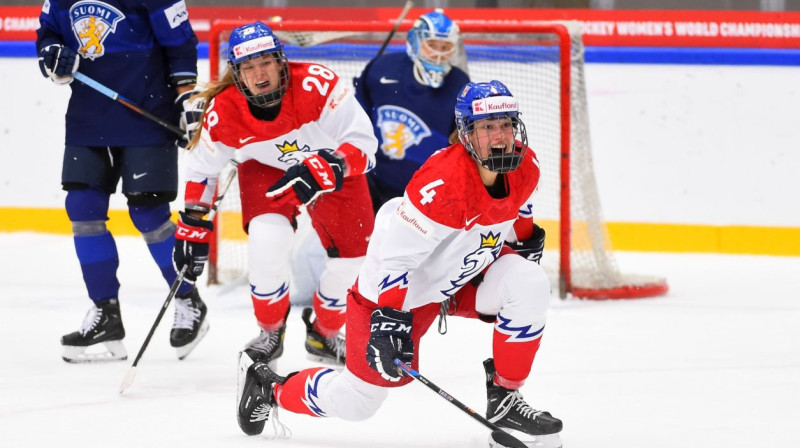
256 398
190 324
507 409
267 347
102 325
320 348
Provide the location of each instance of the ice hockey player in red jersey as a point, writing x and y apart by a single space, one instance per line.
442 243
301 139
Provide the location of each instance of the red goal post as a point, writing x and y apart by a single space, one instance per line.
542 63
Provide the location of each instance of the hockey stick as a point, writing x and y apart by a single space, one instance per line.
89 82
131 374
500 437
403 13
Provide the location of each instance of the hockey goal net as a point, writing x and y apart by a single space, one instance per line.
542 64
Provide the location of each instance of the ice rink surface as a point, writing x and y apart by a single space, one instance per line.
715 363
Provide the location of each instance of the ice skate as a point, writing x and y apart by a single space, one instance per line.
267 347
190 324
100 336
507 409
320 348
256 398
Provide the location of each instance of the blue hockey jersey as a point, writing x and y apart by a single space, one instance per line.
131 46
411 120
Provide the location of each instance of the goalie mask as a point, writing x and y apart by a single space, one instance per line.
488 125
431 44
259 65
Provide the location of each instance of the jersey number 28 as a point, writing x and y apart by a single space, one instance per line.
311 82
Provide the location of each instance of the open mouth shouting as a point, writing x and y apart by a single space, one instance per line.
498 149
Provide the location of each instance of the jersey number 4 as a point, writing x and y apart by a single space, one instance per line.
427 192
311 82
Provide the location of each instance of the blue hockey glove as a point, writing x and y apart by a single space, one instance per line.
191 244
390 338
532 248
191 115
321 173
58 63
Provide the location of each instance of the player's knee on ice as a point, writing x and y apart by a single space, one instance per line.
353 399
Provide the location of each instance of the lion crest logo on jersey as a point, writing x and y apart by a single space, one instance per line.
92 23
292 153
476 261
400 128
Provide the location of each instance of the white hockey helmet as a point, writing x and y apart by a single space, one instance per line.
432 42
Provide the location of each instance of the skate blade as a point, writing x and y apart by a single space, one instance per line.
241 373
108 351
241 377
544 441
184 351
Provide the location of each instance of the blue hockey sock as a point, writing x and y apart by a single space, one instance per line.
94 245
159 234
99 262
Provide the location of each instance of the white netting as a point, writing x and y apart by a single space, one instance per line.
528 63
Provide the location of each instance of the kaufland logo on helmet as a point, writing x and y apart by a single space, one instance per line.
254 46
494 105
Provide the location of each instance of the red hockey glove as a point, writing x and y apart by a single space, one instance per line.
321 173
191 244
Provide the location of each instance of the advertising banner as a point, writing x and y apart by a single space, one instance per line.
613 28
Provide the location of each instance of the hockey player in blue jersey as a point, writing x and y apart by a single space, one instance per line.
409 98
147 50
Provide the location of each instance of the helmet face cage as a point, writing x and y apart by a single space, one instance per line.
497 160
254 41
490 101
268 99
432 64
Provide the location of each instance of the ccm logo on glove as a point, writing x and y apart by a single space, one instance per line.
194 235
322 171
390 338
394 327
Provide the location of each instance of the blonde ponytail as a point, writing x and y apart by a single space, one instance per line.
213 89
